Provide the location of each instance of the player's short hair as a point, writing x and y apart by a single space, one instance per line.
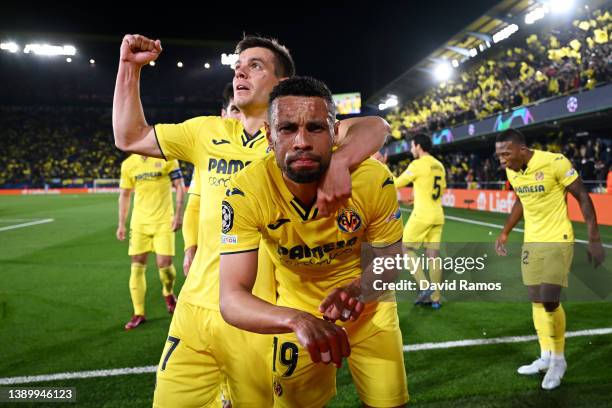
228 94
283 62
511 135
421 139
303 86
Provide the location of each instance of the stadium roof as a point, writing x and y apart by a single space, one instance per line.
476 36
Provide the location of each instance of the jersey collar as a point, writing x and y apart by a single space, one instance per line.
306 213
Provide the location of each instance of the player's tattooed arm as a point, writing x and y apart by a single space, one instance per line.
130 128
515 216
595 252
325 341
179 186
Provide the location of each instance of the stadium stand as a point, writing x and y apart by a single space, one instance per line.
546 65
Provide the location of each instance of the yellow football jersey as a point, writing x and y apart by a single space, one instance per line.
312 255
541 189
428 177
194 186
151 180
218 148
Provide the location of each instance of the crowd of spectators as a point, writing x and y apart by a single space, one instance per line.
545 65
61 146
591 157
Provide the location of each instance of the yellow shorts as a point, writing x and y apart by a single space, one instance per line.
201 351
157 238
376 364
417 233
548 262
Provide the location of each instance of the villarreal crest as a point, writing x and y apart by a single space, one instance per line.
348 220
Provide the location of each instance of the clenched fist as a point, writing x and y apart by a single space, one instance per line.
139 50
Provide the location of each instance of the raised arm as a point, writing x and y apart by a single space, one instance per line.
130 128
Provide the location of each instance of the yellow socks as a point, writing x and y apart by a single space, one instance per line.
550 327
167 276
138 287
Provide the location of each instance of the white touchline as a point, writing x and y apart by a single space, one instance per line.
499 340
488 224
26 224
411 347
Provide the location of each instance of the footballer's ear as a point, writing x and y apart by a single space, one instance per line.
336 131
269 135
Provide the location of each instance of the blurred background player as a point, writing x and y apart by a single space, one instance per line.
541 181
197 352
317 259
424 227
192 209
152 224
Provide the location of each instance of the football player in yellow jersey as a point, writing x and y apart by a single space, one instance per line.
541 181
424 227
152 224
317 258
198 351
192 209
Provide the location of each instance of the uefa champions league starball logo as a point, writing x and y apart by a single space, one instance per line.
572 104
471 129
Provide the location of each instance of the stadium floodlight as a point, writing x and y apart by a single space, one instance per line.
9 46
229 59
442 71
391 102
473 52
92 61
505 33
207 65
561 6
68 59
536 14
179 64
455 63
49 50
152 63
481 47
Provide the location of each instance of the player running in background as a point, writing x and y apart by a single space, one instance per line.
152 224
424 227
198 350
541 181
317 259
192 210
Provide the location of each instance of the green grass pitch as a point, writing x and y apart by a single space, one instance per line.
64 299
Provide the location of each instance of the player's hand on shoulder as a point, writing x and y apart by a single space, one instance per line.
335 188
326 342
342 304
139 50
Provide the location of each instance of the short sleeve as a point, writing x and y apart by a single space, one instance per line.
194 186
239 222
174 170
385 228
408 176
563 171
126 181
178 141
